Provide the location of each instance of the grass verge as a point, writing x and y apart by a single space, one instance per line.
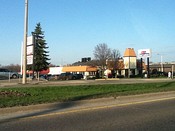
35 95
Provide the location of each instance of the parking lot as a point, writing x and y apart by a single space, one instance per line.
42 82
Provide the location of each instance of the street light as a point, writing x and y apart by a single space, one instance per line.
25 42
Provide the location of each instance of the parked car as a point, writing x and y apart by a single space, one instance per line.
5 73
78 76
66 76
159 74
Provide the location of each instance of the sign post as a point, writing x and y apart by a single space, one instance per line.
30 51
145 54
25 42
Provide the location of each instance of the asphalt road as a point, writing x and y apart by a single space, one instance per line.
146 116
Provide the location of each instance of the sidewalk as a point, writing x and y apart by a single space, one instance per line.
22 112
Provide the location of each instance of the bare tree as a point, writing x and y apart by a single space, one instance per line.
102 53
13 67
115 56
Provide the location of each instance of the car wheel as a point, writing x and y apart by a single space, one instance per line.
14 76
74 77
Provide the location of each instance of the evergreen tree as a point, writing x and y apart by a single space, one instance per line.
40 50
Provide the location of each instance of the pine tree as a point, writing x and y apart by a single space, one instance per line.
40 50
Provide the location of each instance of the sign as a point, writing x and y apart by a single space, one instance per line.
144 53
30 50
30 60
30 40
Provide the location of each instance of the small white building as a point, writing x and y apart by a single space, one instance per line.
55 70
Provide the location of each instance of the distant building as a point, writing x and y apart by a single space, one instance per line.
86 59
128 66
130 62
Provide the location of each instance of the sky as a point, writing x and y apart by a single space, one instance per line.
73 28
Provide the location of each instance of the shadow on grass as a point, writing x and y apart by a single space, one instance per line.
60 107
168 84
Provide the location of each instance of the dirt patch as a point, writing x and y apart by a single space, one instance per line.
13 93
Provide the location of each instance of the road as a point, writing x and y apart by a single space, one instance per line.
144 116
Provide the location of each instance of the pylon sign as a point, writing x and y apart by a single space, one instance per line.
30 50
144 53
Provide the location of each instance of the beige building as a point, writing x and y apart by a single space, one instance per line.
130 62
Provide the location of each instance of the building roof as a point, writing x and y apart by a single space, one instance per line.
79 69
129 52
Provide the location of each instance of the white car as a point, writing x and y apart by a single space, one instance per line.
5 73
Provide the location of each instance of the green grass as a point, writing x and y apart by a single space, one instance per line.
35 95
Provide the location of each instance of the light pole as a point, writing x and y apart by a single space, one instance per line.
161 63
25 42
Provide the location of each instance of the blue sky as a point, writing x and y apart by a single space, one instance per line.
74 27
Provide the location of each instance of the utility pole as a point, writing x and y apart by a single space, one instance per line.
25 43
161 60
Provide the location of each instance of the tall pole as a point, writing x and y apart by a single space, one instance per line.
141 67
161 60
148 75
25 42
22 48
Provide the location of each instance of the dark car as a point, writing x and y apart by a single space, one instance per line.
159 74
78 76
66 76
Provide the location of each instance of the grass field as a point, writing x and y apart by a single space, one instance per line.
34 95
